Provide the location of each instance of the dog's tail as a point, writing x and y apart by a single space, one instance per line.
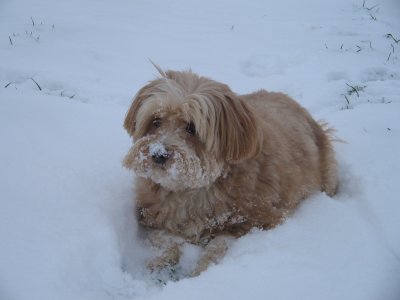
329 168
330 132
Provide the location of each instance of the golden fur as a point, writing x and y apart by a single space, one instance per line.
226 162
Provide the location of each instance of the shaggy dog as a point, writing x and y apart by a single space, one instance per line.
212 164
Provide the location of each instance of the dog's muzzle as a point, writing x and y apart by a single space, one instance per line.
175 166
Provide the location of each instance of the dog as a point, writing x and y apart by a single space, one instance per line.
212 164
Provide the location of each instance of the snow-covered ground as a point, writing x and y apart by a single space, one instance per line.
68 72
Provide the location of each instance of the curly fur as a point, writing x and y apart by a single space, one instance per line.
252 159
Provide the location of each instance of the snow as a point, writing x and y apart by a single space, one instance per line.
157 149
67 223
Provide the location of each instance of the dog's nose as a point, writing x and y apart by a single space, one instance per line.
160 158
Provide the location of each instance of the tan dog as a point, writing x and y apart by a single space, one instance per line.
213 164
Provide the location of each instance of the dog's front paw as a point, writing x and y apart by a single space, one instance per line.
200 268
166 274
213 253
170 257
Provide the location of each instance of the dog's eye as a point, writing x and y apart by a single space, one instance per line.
157 122
190 128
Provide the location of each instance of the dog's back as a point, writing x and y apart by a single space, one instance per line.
306 140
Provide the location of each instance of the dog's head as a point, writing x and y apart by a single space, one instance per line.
186 129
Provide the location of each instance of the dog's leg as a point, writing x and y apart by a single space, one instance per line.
213 253
171 250
170 257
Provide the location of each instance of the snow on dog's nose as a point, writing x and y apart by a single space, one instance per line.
158 153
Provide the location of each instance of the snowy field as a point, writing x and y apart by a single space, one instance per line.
68 72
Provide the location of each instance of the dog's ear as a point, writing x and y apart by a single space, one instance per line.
131 116
234 133
238 130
